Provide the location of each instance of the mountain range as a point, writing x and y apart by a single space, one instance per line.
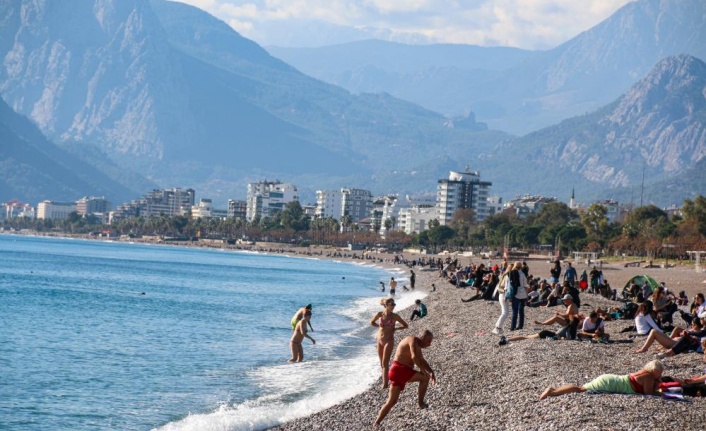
513 90
157 93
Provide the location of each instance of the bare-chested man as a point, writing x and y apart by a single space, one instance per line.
409 354
562 319
298 336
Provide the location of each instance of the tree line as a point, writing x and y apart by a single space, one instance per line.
645 231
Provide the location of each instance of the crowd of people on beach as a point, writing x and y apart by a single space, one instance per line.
652 308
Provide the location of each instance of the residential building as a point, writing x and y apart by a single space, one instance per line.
202 210
528 204
237 209
165 202
329 204
462 190
416 219
16 209
355 203
384 213
55 210
91 205
495 205
266 198
612 209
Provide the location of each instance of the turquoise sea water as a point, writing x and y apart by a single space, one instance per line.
99 335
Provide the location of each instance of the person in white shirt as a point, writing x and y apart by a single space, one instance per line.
644 322
593 327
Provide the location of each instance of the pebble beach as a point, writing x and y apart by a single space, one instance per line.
484 386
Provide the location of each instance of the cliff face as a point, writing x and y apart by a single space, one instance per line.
94 71
658 125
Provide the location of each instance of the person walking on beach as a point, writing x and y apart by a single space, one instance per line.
412 279
295 343
644 382
299 315
570 274
409 353
387 321
504 305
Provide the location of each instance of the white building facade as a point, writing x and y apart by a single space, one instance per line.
55 210
416 219
266 198
462 190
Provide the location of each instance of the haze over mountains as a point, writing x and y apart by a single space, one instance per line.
513 90
175 97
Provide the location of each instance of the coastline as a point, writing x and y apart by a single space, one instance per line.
486 386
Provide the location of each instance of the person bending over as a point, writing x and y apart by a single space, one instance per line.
644 382
409 353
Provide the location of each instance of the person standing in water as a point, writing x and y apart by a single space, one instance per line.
299 315
387 321
295 343
393 286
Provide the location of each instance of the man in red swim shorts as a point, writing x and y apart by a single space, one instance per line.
409 354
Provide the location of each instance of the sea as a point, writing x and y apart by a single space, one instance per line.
101 335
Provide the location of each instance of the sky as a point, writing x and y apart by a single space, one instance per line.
527 24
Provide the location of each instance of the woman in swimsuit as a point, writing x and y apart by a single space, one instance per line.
386 320
644 381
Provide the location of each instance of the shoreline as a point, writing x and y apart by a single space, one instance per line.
483 386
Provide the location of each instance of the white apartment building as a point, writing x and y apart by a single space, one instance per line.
91 205
355 203
266 198
202 210
462 190
416 219
12 209
55 210
529 204
384 209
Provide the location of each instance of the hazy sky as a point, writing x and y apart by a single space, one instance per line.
530 24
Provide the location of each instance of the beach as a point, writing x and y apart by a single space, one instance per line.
484 386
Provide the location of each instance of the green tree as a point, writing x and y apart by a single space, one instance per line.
595 222
695 213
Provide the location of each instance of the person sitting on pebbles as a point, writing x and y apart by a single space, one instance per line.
559 317
593 328
645 381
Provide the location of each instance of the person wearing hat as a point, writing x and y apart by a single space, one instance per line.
299 315
565 318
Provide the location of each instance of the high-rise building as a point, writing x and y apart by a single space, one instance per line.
266 198
12 209
202 210
462 190
355 203
237 209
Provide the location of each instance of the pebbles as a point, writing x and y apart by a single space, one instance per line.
483 386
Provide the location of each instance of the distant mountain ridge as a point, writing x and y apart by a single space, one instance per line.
33 169
658 126
533 89
166 89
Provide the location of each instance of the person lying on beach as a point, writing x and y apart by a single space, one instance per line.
295 343
387 321
409 353
645 381
559 317
540 335
680 341
299 315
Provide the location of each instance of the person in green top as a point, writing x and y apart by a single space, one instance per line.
419 311
299 315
